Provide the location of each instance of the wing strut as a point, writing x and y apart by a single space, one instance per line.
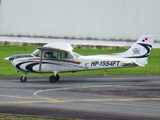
40 62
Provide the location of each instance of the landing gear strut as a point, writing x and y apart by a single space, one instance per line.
54 78
23 78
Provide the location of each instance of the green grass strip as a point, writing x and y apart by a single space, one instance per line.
25 117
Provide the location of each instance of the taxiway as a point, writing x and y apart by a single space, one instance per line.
109 97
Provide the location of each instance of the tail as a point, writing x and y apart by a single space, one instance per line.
140 50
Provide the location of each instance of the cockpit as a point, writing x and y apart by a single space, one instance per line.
55 54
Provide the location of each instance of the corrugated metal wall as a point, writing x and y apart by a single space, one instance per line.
99 19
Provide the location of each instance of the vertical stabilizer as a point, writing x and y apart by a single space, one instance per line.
141 49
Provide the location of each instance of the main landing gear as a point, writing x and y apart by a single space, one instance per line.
54 78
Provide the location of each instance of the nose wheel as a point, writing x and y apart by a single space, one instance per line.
53 78
23 78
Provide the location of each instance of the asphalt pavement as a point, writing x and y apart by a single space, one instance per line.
88 98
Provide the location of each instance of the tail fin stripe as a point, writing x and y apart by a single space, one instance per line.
147 46
144 56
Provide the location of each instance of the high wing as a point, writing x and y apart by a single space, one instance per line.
58 46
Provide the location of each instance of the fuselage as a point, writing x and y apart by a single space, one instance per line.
31 63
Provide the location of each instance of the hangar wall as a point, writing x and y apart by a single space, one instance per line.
92 19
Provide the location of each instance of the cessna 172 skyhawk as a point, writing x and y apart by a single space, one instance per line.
58 57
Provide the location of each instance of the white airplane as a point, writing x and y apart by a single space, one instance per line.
59 57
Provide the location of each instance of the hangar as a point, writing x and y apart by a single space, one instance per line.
80 19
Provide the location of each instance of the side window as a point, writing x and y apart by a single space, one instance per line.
51 54
66 56
55 54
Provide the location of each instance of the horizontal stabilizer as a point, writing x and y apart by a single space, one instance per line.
139 64
133 62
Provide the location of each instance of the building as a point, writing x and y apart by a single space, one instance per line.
84 19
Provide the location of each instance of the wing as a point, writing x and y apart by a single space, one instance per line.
58 46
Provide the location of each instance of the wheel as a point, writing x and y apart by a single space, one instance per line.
23 79
57 77
53 78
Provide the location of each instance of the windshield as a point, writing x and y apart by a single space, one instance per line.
36 53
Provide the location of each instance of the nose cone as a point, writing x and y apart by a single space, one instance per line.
7 58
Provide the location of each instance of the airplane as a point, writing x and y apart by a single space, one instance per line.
59 57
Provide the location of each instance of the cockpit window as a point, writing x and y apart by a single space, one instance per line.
36 53
66 56
55 54
51 54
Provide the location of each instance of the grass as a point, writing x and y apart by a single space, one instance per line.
20 117
153 68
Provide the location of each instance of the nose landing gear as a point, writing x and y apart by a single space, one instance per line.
23 78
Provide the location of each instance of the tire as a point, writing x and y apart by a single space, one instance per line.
57 77
53 78
23 79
